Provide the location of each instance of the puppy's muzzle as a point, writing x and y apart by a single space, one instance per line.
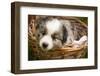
46 42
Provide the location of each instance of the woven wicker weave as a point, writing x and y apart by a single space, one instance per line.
66 52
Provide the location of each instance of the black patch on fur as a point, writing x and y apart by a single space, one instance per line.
65 33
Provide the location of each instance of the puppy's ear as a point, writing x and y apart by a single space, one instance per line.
65 33
39 20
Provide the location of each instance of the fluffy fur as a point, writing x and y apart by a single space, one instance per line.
54 32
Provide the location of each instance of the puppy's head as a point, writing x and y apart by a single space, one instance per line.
50 32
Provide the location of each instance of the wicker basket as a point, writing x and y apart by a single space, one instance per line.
66 52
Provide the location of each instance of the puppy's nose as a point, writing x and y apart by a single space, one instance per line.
45 45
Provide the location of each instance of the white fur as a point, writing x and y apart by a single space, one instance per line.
53 26
47 39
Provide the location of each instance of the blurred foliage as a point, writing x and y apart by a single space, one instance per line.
30 53
83 19
86 53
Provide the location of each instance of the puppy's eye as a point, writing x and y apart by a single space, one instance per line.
43 33
54 37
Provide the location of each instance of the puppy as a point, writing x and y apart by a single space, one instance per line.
54 32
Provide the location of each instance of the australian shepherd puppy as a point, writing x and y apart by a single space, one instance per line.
55 32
